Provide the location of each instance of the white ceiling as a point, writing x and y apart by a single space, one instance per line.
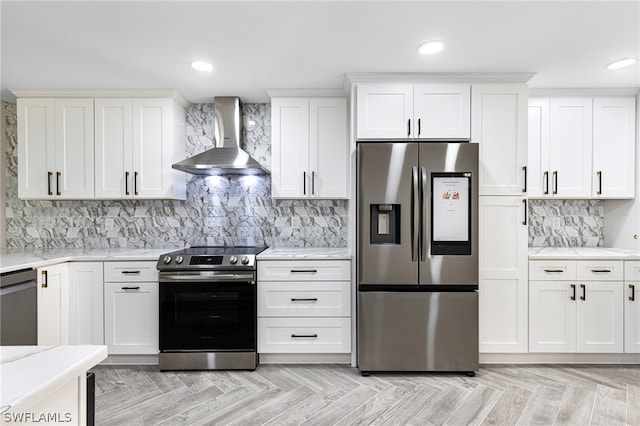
262 45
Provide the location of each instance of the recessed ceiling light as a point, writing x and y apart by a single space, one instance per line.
201 66
430 47
622 63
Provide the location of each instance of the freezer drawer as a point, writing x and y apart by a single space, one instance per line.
418 331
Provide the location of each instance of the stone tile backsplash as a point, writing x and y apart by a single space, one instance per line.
219 210
566 223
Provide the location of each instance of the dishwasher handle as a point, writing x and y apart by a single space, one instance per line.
10 289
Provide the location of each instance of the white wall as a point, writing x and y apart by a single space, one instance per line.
622 217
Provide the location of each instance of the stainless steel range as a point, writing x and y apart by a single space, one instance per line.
208 308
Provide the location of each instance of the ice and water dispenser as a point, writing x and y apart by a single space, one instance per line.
385 224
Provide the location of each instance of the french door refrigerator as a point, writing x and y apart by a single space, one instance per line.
417 256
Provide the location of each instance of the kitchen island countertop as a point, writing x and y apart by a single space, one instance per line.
303 253
32 375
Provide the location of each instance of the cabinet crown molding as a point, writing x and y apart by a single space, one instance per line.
159 93
437 77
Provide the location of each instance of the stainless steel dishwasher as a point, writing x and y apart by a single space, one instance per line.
18 308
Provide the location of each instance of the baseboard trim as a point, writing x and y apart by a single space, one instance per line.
304 359
558 358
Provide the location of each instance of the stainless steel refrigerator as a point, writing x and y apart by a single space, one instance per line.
417 255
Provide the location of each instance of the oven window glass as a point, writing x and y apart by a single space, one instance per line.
207 316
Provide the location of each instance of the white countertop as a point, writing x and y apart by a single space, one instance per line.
320 253
581 253
13 260
29 374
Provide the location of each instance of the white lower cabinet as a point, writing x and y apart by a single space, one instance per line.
576 306
631 291
53 305
304 307
131 308
86 307
503 275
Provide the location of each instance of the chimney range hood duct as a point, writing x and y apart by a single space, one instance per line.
226 158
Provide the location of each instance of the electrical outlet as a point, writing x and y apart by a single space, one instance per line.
556 222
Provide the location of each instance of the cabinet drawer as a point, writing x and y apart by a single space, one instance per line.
632 270
304 335
600 270
308 299
304 270
130 271
552 270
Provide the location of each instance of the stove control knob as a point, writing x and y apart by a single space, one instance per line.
245 260
233 260
166 260
179 259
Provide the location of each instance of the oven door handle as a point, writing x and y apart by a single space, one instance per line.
208 276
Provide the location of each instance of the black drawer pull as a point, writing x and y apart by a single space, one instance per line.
312 336
595 271
311 299
584 292
633 292
131 272
554 270
131 288
304 271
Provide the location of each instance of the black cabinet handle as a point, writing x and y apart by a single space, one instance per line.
573 292
524 169
304 183
419 128
304 271
297 299
135 183
584 292
126 183
49 175
409 127
58 174
554 270
633 292
131 288
555 182
599 173
130 272
600 270
546 183
313 336
44 283
313 183
524 203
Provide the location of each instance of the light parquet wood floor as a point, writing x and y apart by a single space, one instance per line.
339 395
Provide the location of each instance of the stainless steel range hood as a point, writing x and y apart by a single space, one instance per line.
227 158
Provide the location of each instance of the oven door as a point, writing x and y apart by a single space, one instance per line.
207 312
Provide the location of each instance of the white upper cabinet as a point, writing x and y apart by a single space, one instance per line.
137 141
100 147
499 126
614 135
569 151
55 148
413 111
581 147
309 147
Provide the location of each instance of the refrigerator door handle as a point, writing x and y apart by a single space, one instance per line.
424 214
415 214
